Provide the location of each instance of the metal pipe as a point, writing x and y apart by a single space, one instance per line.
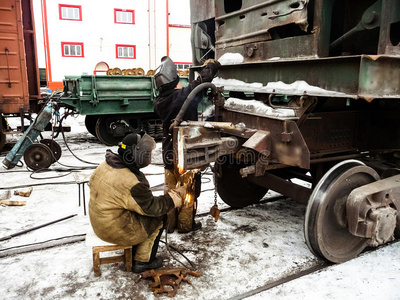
33 228
189 99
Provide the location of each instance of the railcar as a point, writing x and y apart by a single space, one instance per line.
307 103
19 72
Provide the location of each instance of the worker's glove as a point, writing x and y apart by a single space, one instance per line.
210 70
178 195
181 191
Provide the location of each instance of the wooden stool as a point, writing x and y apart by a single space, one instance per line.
98 246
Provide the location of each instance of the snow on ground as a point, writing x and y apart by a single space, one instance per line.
246 249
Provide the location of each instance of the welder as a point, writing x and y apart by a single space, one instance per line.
122 208
171 98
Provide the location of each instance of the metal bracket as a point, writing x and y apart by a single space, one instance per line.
373 210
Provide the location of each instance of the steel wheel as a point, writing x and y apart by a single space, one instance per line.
232 188
38 156
104 133
90 123
54 147
325 225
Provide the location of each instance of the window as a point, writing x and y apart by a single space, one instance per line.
183 66
72 49
124 16
70 12
126 51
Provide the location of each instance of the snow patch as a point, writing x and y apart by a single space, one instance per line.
231 59
255 107
299 87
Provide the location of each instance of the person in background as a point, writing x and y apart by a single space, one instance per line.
167 105
122 208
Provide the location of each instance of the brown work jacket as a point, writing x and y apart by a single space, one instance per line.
122 208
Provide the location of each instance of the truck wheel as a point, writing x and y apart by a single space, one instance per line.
232 188
90 123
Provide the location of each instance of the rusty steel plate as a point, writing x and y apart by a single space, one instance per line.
325 225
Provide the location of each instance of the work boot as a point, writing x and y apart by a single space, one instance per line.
139 267
196 226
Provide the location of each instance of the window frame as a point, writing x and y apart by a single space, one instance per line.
124 10
75 44
123 57
60 6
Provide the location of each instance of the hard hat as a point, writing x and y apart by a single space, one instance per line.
166 76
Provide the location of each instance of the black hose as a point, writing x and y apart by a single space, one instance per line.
189 99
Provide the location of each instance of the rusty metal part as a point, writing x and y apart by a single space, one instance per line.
168 280
280 13
38 156
326 223
270 181
372 210
195 147
288 146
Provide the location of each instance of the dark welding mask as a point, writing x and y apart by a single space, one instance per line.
137 148
166 77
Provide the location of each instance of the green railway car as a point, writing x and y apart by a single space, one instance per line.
114 105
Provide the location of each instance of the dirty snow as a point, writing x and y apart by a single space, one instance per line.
258 108
298 87
246 249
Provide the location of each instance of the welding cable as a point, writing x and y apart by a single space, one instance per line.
203 86
170 253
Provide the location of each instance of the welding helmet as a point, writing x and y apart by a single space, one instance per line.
166 77
136 148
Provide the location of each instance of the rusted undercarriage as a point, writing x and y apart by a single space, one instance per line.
253 151
310 92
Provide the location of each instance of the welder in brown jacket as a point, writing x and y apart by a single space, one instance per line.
167 105
122 208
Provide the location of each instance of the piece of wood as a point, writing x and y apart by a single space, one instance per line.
97 249
112 259
12 203
128 259
96 264
24 192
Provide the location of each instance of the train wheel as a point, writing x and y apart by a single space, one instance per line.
90 123
104 134
232 188
325 225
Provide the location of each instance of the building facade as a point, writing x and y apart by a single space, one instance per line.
90 36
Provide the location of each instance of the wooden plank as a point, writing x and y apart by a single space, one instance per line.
12 203
112 259
97 249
